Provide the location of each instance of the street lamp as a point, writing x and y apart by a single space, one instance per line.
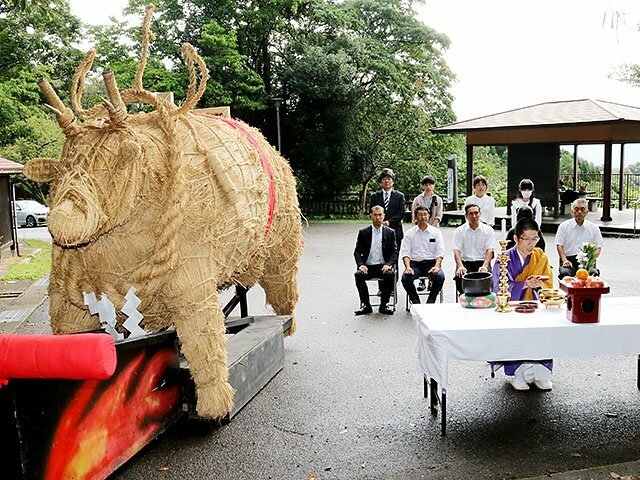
277 102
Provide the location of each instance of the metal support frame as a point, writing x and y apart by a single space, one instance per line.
240 297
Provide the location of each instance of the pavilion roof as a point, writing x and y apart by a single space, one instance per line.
7 167
549 114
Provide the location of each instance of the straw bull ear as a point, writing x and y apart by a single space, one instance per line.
41 170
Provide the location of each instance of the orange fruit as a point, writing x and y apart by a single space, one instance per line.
582 274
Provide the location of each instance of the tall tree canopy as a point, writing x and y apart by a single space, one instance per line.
361 81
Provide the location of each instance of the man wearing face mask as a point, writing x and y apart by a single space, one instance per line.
526 196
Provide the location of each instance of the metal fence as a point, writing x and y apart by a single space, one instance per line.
593 183
339 205
342 204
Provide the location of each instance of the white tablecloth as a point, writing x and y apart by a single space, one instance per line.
446 330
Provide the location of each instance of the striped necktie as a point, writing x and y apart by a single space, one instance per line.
386 200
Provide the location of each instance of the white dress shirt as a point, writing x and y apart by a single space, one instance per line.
375 253
487 205
473 244
534 204
420 245
571 236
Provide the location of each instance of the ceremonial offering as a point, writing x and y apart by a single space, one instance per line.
550 297
583 300
477 301
477 283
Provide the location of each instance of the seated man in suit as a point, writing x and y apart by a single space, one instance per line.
376 255
422 253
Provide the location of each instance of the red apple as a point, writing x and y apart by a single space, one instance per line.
595 283
577 283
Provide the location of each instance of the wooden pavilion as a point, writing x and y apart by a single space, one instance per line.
533 136
8 237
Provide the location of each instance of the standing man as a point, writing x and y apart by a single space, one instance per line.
422 253
572 234
429 200
376 255
480 197
391 201
473 245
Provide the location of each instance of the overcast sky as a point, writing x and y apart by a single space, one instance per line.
512 53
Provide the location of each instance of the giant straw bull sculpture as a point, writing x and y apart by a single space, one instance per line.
175 204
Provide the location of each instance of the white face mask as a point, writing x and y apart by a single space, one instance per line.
525 193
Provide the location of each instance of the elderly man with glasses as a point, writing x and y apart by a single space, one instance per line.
528 270
572 234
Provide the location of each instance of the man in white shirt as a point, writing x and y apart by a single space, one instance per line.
473 245
376 256
571 236
480 197
422 252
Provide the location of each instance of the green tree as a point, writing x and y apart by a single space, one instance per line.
35 39
364 80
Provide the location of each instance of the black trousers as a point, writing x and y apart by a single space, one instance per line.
571 271
471 266
386 285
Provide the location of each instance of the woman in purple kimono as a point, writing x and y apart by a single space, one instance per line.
528 270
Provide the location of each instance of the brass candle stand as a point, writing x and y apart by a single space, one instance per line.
503 295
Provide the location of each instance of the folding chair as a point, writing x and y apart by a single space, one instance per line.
377 293
424 292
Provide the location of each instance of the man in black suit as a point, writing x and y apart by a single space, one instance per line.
392 201
376 255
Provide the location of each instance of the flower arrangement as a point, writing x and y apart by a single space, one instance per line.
587 256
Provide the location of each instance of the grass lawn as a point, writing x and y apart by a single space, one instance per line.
31 267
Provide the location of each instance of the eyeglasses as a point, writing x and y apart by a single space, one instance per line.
530 240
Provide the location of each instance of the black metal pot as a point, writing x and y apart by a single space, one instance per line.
477 283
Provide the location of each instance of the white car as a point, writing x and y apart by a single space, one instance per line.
30 213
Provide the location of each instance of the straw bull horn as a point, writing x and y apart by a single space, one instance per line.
115 106
64 115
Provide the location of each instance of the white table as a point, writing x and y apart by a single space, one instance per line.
448 331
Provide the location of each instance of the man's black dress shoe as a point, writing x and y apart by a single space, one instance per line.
364 310
386 310
422 285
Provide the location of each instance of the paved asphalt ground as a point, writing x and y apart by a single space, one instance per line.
349 405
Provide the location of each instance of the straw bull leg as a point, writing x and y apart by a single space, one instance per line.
201 332
65 316
280 278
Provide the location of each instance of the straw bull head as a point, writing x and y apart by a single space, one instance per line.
94 185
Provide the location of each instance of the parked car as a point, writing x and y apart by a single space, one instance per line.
30 213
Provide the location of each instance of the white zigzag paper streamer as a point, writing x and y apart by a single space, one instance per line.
130 309
106 312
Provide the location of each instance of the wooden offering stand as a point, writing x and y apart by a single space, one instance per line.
583 303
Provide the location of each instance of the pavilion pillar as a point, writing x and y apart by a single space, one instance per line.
606 187
575 167
469 170
621 179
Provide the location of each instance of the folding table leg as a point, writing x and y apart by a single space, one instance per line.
425 384
433 397
443 412
638 374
